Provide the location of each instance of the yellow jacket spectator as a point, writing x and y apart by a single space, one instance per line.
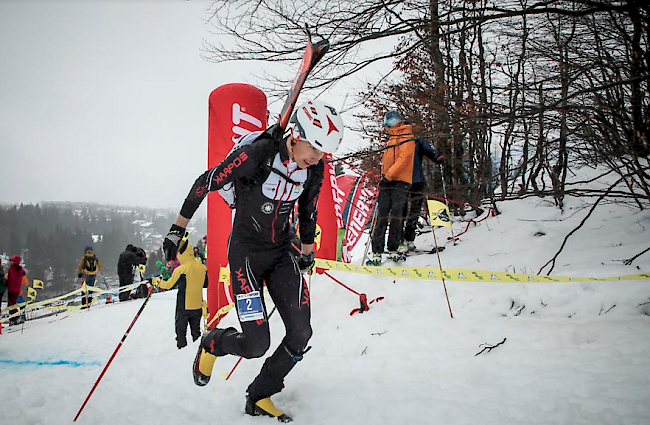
190 278
89 266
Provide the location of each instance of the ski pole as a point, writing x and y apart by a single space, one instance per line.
372 229
444 190
442 276
105 282
119 345
85 285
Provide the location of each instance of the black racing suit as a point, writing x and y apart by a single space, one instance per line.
267 184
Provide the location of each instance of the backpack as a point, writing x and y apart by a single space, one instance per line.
90 264
227 192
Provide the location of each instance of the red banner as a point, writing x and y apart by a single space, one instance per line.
330 215
361 204
346 183
234 111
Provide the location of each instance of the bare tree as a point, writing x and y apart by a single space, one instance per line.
557 83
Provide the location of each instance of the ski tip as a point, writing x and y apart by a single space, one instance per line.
322 44
321 47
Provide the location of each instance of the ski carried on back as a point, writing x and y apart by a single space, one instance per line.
313 54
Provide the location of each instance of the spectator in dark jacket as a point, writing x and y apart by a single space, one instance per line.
416 194
130 258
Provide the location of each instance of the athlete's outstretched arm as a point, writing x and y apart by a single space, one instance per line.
241 162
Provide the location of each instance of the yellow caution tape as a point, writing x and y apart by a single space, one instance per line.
422 273
459 275
464 275
49 303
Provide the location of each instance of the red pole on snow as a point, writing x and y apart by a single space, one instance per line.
101 375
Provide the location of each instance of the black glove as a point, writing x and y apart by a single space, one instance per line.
306 262
171 242
79 275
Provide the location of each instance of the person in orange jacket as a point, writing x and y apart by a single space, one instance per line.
16 279
397 175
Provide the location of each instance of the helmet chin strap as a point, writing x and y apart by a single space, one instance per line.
293 134
292 143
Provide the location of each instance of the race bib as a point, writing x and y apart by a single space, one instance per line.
249 307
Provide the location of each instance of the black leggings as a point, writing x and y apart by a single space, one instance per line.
277 268
391 206
184 318
415 200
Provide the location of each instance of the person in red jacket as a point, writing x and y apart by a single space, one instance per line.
16 277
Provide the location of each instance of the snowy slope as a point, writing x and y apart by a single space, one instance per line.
569 356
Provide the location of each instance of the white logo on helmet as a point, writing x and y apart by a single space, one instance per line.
331 125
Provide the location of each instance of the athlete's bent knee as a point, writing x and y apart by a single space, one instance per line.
258 349
298 340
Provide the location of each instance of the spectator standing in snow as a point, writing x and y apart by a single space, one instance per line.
89 266
16 279
416 194
190 278
198 255
130 258
397 175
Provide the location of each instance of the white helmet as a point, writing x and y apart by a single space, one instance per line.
319 124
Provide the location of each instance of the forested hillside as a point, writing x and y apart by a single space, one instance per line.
51 237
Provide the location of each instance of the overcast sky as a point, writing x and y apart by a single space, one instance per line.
105 101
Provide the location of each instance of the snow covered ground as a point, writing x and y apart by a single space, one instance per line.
576 353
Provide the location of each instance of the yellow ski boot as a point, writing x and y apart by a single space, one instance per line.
265 407
204 360
202 367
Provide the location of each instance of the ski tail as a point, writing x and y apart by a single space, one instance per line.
313 54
